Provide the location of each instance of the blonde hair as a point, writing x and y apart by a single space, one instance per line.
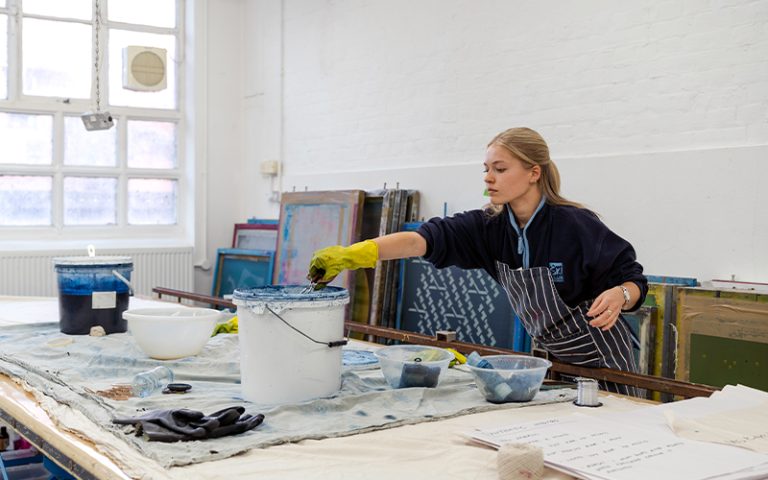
531 149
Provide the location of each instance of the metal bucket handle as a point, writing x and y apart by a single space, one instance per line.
91 249
124 280
337 343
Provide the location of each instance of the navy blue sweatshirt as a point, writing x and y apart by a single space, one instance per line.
583 255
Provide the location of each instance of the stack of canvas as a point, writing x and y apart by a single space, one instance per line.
313 220
385 212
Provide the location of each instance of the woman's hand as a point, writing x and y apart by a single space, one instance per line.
328 262
606 308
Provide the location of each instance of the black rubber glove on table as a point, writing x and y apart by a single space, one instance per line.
183 424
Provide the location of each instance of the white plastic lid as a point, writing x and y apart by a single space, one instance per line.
281 297
91 261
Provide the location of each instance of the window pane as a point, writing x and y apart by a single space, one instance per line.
90 201
81 147
118 39
25 200
3 56
160 13
60 68
56 8
151 144
26 139
151 201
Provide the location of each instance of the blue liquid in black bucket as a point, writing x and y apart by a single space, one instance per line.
79 279
77 315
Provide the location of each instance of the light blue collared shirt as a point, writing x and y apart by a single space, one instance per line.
522 241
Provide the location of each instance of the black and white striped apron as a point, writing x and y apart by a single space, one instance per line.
564 331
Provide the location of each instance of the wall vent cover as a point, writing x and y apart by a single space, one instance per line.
144 68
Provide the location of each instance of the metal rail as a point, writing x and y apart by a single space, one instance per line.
181 295
649 382
658 384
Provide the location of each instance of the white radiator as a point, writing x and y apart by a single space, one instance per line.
32 273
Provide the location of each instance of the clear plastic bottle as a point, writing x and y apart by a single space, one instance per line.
476 360
146 383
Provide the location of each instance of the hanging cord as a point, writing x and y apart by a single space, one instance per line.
97 57
337 343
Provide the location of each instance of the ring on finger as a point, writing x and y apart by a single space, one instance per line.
610 312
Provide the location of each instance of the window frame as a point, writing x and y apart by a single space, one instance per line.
58 235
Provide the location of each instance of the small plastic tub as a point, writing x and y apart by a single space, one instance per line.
512 378
30 471
407 366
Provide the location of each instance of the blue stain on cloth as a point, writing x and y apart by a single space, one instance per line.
355 358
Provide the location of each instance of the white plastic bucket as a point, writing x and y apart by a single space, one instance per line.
290 342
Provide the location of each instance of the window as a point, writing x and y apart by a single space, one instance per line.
126 181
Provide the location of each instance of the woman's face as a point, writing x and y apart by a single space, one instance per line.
507 179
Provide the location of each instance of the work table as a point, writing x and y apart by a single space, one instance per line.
431 449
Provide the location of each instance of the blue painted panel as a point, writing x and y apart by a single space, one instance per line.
468 301
263 221
686 281
241 268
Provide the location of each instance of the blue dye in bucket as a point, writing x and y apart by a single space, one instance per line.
290 293
92 294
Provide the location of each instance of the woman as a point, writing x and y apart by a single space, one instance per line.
566 274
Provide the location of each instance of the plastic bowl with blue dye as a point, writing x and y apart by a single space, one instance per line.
512 378
406 366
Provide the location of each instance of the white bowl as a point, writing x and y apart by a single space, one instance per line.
169 333
407 366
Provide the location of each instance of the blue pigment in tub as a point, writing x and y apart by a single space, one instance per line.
92 293
291 293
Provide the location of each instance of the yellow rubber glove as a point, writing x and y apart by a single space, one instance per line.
458 357
330 261
230 326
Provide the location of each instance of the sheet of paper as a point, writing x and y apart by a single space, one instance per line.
735 416
592 448
730 398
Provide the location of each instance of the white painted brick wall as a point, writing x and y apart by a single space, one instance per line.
404 82
412 90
